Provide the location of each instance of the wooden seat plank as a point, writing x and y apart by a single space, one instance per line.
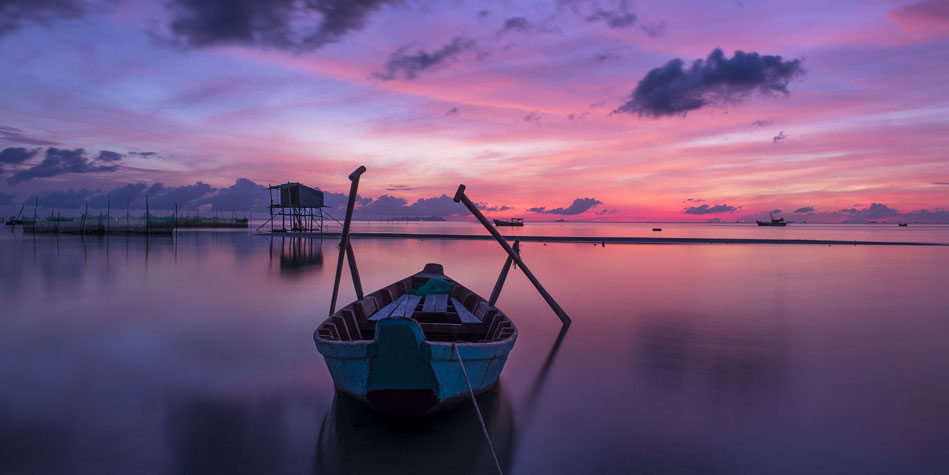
388 309
441 302
407 307
463 313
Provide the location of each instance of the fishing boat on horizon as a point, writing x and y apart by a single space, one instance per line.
422 343
509 222
773 222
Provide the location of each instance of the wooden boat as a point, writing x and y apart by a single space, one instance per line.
657 229
397 350
773 222
903 225
509 222
421 343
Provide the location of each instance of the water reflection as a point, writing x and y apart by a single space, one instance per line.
356 439
296 255
678 353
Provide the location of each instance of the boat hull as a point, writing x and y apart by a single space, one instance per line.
400 372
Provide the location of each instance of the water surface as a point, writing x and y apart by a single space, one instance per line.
195 355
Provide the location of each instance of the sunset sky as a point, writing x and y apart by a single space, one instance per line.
826 111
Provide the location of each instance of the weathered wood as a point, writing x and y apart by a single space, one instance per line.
351 325
407 307
481 309
341 328
435 303
500 283
460 196
451 329
344 240
388 309
463 313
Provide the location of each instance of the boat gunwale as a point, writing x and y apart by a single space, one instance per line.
353 343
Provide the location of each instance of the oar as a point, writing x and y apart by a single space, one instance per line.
344 247
460 196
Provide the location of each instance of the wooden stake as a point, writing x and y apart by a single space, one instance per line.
460 196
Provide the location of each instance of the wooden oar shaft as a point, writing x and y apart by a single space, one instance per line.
344 240
460 196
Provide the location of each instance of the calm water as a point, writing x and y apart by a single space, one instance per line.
195 355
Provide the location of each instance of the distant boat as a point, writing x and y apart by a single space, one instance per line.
903 225
395 348
509 222
657 229
774 222
60 219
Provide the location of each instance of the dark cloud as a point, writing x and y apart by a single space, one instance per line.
941 183
672 90
62 199
16 155
706 209
452 112
777 138
654 29
58 162
387 205
713 220
516 24
531 117
109 156
805 209
17 136
299 25
495 209
243 194
185 197
619 18
762 123
15 13
404 65
398 188
144 154
693 200
608 55
875 211
6 198
131 195
578 206
775 211
938 214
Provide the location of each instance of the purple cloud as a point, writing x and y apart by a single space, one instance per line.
672 90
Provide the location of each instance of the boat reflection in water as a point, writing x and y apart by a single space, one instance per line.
357 439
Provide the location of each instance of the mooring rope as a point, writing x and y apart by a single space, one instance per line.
484 429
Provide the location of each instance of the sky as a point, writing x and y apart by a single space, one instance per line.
571 109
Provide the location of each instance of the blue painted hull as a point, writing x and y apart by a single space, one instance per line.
400 372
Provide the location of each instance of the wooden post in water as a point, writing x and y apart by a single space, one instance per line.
108 214
146 214
504 270
17 218
36 204
461 197
344 247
